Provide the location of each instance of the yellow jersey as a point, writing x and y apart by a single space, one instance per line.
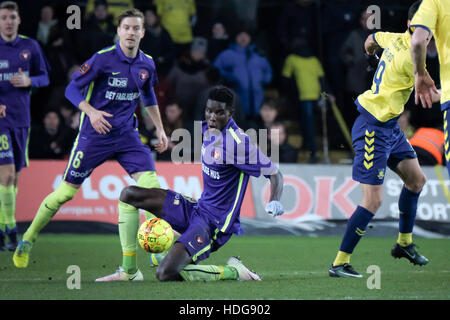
175 17
393 81
434 15
307 73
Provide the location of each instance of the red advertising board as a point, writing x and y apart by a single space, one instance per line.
97 198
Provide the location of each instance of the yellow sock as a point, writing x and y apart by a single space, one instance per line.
404 239
342 258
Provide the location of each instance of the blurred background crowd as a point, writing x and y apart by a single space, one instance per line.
277 55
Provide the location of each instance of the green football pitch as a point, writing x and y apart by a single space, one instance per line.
290 267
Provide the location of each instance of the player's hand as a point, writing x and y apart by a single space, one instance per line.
2 111
275 208
163 143
98 121
424 89
21 80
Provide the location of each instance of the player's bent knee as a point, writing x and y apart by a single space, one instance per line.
166 273
418 184
126 195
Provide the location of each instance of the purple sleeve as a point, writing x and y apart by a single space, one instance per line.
87 72
39 68
73 94
147 91
149 98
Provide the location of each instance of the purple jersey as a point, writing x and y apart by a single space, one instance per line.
228 160
114 83
24 53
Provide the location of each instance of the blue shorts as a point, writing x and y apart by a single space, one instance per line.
198 234
88 153
447 138
376 147
14 147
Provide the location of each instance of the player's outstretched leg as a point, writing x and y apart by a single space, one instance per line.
49 206
356 227
177 266
414 179
131 200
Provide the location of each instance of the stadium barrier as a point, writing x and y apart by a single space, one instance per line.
318 199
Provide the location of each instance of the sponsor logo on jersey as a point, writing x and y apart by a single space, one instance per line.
199 239
25 54
143 75
216 154
84 68
4 64
118 82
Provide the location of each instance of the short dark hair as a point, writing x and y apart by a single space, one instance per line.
10 5
222 94
413 9
130 13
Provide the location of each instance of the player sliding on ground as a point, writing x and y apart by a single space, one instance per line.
379 142
228 160
115 79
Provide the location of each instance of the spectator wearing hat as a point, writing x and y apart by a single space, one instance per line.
246 71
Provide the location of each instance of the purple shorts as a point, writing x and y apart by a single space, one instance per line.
90 152
198 234
14 147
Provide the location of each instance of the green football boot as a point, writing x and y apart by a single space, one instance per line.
22 254
410 253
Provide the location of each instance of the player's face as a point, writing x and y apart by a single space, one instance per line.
9 23
130 32
216 114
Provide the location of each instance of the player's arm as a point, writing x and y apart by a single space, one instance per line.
274 207
155 115
425 88
423 25
149 100
370 45
96 117
2 111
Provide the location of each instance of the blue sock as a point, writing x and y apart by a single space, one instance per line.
356 227
407 204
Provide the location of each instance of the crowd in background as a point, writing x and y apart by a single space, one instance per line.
277 56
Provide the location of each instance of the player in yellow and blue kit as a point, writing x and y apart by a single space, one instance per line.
433 19
379 142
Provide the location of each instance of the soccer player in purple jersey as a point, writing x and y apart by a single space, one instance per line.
113 80
22 65
228 161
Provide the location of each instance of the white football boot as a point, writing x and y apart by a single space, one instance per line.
121 275
243 271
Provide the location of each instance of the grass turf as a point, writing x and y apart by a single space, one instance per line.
291 268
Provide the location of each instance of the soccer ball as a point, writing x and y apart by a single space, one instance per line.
155 235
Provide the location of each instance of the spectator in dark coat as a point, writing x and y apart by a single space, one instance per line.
157 42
